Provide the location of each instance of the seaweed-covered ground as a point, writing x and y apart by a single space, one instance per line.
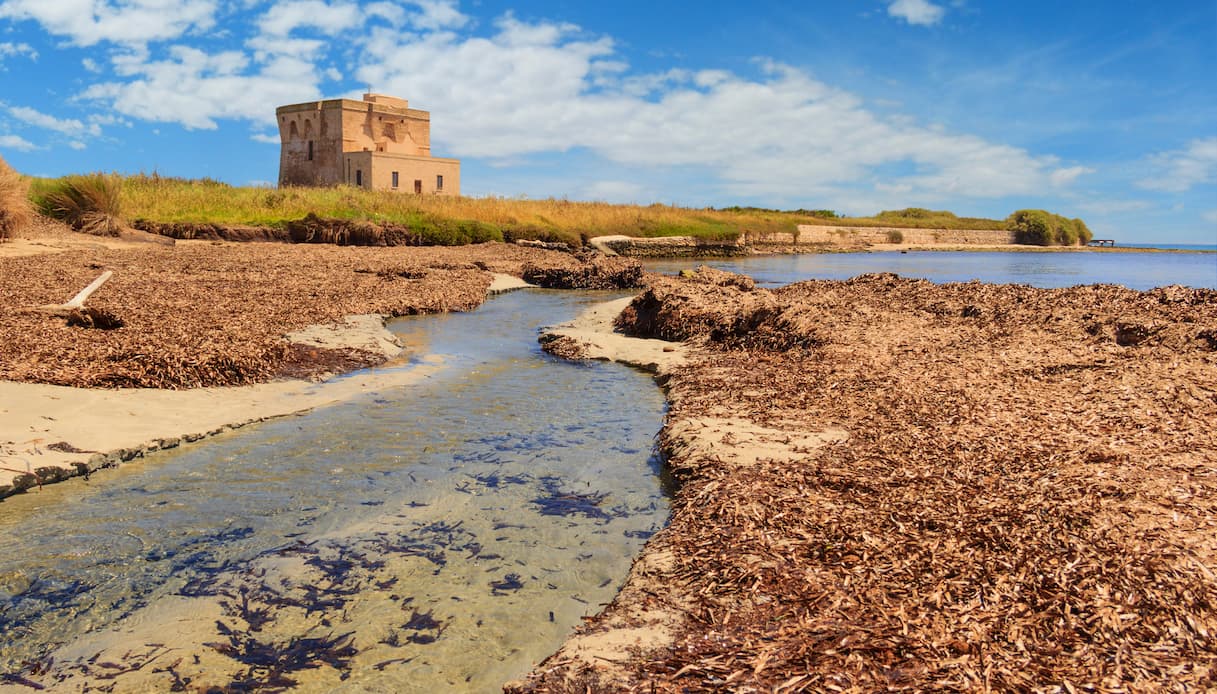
212 314
886 484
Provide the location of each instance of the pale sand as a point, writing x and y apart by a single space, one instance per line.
60 239
114 426
593 329
506 283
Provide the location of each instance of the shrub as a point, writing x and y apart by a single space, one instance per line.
1084 233
1043 228
895 236
90 203
819 214
915 213
1032 227
15 210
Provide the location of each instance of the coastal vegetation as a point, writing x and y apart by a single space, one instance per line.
102 203
89 203
1043 228
436 219
14 201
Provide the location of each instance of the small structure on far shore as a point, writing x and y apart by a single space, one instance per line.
1109 243
379 143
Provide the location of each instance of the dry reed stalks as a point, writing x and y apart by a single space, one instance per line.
89 203
15 209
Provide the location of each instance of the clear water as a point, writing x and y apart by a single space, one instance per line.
1206 247
448 534
1044 269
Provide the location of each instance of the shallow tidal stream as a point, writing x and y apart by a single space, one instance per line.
440 536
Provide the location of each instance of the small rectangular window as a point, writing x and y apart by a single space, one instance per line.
359 177
394 179
310 150
439 182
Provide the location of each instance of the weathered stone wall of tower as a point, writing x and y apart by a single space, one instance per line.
311 143
386 124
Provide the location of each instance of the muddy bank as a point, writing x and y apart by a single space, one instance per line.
886 483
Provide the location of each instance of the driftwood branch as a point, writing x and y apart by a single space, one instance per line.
77 302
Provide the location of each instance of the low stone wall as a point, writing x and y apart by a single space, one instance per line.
809 234
671 246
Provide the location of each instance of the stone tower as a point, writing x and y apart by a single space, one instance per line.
379 143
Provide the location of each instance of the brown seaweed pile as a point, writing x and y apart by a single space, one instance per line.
206 314
1027 498
593 271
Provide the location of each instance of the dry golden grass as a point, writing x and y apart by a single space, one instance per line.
15 210
90 203
435 219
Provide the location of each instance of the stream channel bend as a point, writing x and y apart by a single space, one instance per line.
440 536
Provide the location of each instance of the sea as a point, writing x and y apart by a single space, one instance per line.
1142 269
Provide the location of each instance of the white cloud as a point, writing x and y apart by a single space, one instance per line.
66 126
1210 216
388 11
265 138
437 14
329 19
195 89
1065 176
1121 206
524 88
87 22
9 50
614 191
920 12
1180 170
534 88
17 142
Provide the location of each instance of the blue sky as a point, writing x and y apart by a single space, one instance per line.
1101 110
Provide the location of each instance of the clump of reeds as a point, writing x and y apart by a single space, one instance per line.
90 203
15 211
